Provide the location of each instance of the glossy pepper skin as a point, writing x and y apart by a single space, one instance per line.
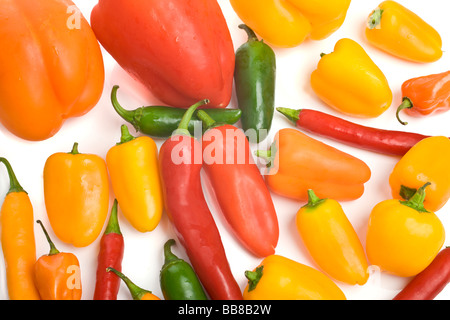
17 238
400 32
137 293
289 23
162 121
248 208
110 255
425 95
76 193
181 161
177 278
299 163
134 172
427 161
152 40
254 78
57 274
349 81
331 240
52 67
280 278
403 237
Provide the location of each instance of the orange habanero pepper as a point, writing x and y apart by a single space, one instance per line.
57 274
299 163
18 243
52 66
76 192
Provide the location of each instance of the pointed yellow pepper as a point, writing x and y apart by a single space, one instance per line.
350 82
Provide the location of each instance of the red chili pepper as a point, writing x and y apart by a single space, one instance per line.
431 281
243 196
181 161
110 255
379 140
425 95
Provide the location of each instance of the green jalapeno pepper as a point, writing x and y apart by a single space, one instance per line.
254 76
161 121
178 279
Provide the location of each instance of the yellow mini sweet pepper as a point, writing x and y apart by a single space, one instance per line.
426 162
280 278
350 82
288 23
134 173
395 29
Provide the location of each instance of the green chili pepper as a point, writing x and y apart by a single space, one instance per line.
254 76
177 278
161 121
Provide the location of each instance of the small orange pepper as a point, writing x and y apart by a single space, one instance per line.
57 274
76 192
137 293
397 30
331 240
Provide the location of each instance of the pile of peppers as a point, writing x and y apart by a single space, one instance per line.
206 150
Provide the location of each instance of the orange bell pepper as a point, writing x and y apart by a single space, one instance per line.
76 192
57 274
397 30
403 237
331 240
52 66
427 161
299 163
17 237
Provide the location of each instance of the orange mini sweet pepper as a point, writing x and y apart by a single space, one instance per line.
397 30
52 66
288 23
57 274
298 163
76 192
137 293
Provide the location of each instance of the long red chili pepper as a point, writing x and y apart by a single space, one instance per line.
431 281
379 140
110 255
180 165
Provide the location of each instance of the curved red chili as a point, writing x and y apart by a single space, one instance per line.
181 161
379 140
110 255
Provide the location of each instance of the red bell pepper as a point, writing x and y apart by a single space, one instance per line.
181 50
243 196
180 162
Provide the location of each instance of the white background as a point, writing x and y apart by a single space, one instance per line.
99 130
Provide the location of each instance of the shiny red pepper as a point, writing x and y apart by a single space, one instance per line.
110 255
243 196
181 50
180 162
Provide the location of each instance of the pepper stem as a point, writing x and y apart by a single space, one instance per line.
184 123
254 277
406 104
127 115
125 135
206 119
168 254
74 149
375 18
113 223
416 201
291 114
136 292
250 33
313 200
53 249
14 185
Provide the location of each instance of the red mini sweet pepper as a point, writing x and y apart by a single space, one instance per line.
181 50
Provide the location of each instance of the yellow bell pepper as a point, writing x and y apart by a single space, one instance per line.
288 23
280 278
350 82
402 236
395 29
331 240
134 172
427 161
